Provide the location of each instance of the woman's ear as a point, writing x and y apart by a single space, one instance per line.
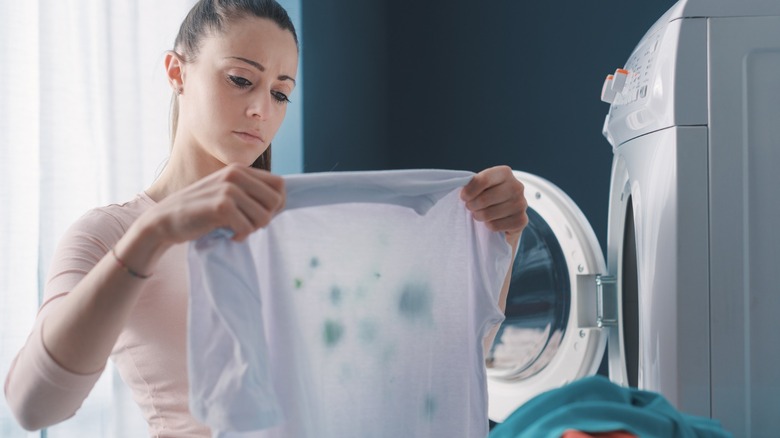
173 69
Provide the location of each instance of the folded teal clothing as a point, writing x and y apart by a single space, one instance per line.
595 404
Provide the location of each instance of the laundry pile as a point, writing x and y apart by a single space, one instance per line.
596 407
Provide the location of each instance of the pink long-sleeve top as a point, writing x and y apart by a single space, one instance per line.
150 353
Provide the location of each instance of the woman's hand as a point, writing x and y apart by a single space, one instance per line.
242 199
495 197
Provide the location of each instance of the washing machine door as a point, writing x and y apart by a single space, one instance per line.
554 311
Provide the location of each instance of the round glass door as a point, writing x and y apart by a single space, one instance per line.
548 336
537 308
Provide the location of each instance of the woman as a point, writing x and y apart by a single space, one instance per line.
117 286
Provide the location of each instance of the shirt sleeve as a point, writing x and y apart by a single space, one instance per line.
233 390
492 259
39 391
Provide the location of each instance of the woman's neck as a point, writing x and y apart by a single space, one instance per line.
188 163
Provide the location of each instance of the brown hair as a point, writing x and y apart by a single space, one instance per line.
212 16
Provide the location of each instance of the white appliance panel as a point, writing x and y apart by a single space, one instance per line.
663 176
745 204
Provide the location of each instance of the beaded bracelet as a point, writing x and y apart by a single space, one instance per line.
127 269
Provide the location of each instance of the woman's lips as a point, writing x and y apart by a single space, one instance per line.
249 138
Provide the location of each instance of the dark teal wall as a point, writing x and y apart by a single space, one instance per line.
466 85
345 56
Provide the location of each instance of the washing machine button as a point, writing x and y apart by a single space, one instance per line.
607 93
619 80
613 85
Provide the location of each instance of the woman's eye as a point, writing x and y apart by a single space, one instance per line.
239 82
280 97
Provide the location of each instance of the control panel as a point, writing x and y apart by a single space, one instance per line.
633 82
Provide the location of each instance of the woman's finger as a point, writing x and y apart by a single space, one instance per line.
485 180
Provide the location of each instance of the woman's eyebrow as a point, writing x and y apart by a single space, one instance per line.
260 67
254 64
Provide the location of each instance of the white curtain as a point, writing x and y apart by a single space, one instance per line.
84 110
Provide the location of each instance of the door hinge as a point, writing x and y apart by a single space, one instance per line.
597 301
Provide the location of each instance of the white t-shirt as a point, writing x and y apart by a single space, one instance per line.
358 312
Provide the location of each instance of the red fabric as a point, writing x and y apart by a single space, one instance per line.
571 433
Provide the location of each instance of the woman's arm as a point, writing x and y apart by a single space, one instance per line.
41 389
79 332
83 330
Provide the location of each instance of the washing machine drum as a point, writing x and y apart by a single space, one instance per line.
551 333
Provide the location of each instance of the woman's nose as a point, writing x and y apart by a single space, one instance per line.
260 106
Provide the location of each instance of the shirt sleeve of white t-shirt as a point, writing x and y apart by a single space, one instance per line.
233 392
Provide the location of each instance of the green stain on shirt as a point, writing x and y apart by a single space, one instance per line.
416 302
332 332
429 407
335 295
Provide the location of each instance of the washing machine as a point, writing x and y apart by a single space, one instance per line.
687 301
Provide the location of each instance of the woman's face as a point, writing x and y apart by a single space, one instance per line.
234 94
